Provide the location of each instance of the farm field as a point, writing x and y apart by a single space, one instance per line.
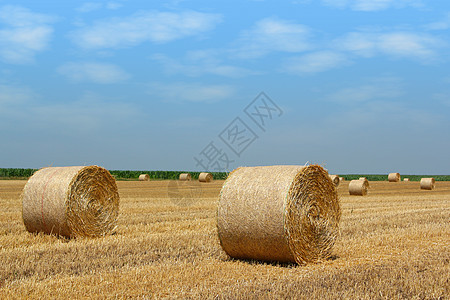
394 244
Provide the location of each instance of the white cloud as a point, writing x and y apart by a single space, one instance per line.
11 95
273 35
191 92
443 24
25 34
148 26
93 6
372 5
375 90
314 62
90 71
198 63
398 44
89 7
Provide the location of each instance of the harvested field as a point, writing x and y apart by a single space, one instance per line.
394 243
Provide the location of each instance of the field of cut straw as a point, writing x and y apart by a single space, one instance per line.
394 244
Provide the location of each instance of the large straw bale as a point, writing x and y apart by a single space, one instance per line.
358 187
335 179
394 177
185 177
405 179
71 201
144 177
427 183
205 177
278 213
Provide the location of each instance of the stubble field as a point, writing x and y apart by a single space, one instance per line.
394 244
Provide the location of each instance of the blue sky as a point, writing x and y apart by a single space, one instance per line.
362 86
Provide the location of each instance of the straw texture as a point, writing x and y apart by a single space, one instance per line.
144 177
394 177
427 183
358 187
185 177
205 177
71 201
335 179
278 213
406 179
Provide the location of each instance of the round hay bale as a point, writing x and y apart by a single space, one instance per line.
185 177
365 180
362 178
394 177
335 179
405 179
205 177
71 201
358 187
427 183
278 213
144 177
341 179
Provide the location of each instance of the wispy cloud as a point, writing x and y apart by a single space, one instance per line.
146 26
25 34
372 5
417 46
375 90
314 62
191 92
201 62
93 6
273 35
442 24
95 72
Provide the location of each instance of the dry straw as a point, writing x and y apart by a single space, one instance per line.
427 183
205 177
394 177
71 201
335 179
358 187
341 179
279 213
406 179
185 177
144 177
362 178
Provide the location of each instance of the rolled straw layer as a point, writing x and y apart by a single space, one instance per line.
278 213
394 177
71 201
335 179
144 177
427 183
185 177
358 187
205 177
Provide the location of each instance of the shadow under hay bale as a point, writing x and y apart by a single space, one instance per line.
278 213
71 201
205 177
427 183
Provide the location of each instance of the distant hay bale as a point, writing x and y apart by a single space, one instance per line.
394 177
362 178
358 187
278 213
341 179
335 179
427 183
185 177
405 179
205 177
144 177
71 201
